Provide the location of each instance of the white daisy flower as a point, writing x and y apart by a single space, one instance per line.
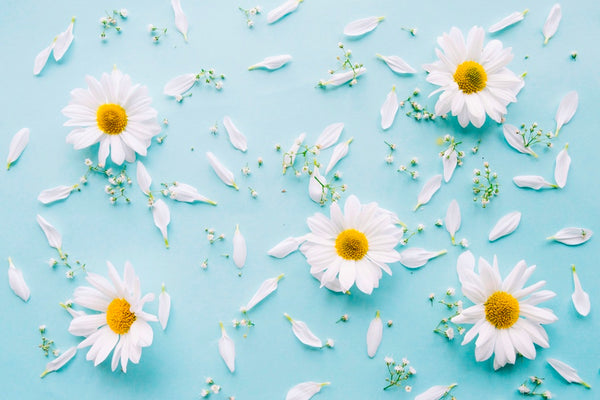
474 79
115 113
121 324
505 313
351 247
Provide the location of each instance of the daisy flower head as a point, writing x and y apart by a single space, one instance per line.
351 247
119 323
115 113
505 314
473 79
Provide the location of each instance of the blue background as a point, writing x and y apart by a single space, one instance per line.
270 108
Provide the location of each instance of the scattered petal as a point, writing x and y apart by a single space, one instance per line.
267 287
316 188
340 78
581 300
339 152
143 178
449 162
281 11
239 248
505 226
222 172
416 257
452 220
551 25
55 194
180 19
290 156
566 110
41 59
164 307
162 217
179 85
237 138
59 361
374 334
566 371
227 349
17 145
533 182
429 189
63 41
362 26
53 236
515 140
305 390
17 282
561 170
329 136
572 236
286 246
187 193
304 334
435 392
389 109
507 21
397 64
272 63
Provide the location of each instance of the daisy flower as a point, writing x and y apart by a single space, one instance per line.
352 247
505 313
474 79
115 113
120 323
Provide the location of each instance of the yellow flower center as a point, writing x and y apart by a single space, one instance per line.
118 316
501 310
111 118
351 244
470 77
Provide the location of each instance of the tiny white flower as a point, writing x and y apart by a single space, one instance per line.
236 137
227 349
215 388
408 388
164 307
204 393
524 389
272 63
281 11
428 190
305 390
566 110
389 109
286 246
330 343
417 257
177 86
340 151
55 194
17 282
180 19
123 12
452 220
450 291
222 172
508 21
449 333
162 218
581 300
388 360
17 145
566 371
239 248
374 334
63 42
572 236
265 289
329 136
52 235
397 64
534 182
303 333
362 26
552 22
505 226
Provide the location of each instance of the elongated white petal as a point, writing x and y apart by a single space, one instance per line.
60 361
286 246
566 371
452 221
63 41
272 63
17 282
416 257
449 162
222 172
374 334
362 26
428 190
397 64
505 226
179 85
515 140
435 392
566 110
572 236
164 307
188 194
304 334
227 349
181 22
281 11
330 135
237 138
41 59
17 145
53 236
265 289
239 248
389 109
508 21
581 300
340 151
339 78
162 217
316 189
535 182
290 156
561 170
143 178
54 194
304 390
551 25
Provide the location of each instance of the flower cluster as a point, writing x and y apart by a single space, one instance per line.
110 21
399 373
249 14
485 187
346 72
244 322
535 383
47 344
211 235
211 388
63 259
156 32
453 147
417 111
446 327
533 134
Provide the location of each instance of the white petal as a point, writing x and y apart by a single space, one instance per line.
272 63
572 236
507 21
186 193
397 64
164 307
566 110
389 109
330 135
60 361
435 392
449 162
362 26
237 138
143 178
180 19
265 289
281 11
429 189
515 140
339 152
286 246
374 334
340 78
532 182
53 236
290 156
162 217
63 42
54 194
179 85
239 248
561 170
41 59
581 300
452 221
305 390
17 145
416 257
222 172
17 282
552 22
316 189
566 371
505 226
227 349
304 334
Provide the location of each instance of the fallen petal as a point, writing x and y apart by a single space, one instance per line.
329 136
63 41
362 26
452 221
164 307
505 226
340 151
162 218
286 246
281 11
290 156
17 145
435 392
239 248
551 25
316 186
449 162
41 59
561 170
143 178
180 19
179 85
52 235
566 371
237 138
397 64
533 182
272 63
303 333
222 172
572 236
389 109
227 349
508 21
429 189
59 361
416 257
581 300
566 110
188 194
265 289
515 140
340 78
305 390
55 194
374 334
17 282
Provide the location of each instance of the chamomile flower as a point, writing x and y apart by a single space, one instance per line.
505 314
120 323
115 113
352 247
473 79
